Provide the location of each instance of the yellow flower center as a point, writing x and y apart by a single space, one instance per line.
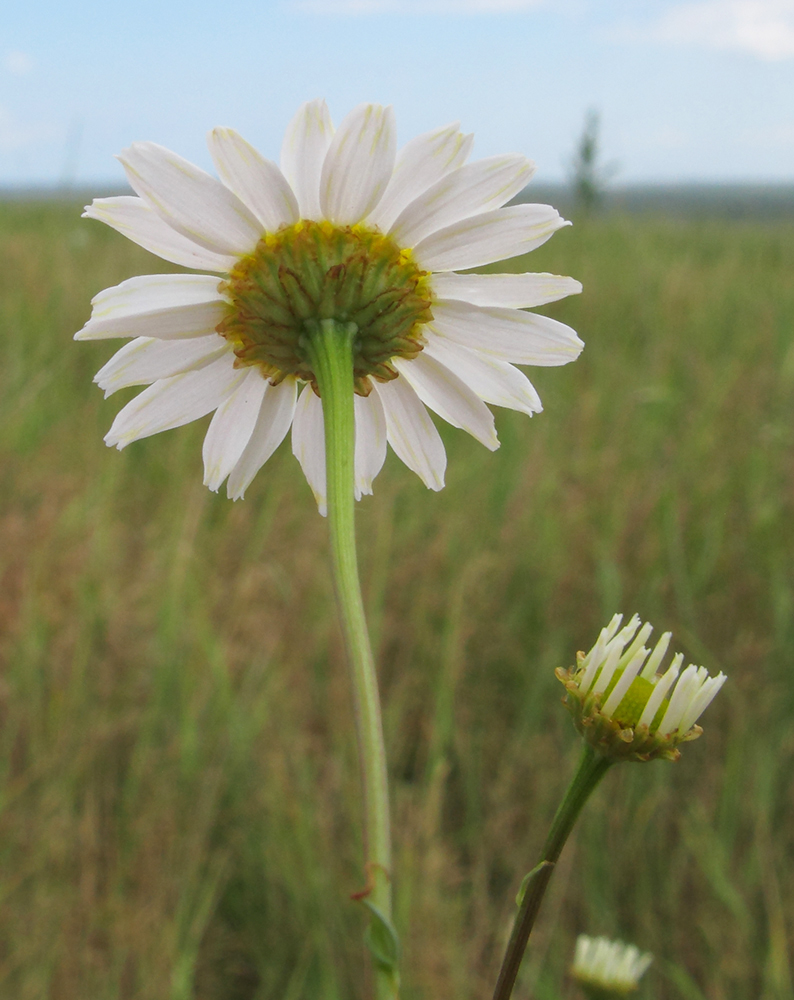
313 271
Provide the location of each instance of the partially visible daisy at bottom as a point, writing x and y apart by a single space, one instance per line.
345 228
624 707
608 969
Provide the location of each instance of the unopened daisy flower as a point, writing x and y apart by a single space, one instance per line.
345 229
626 705
608 969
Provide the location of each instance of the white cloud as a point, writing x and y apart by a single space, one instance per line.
764 28
414 7
18 63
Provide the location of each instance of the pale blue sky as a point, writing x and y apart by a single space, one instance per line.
688 91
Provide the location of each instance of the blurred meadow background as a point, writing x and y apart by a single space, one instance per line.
178 779
179 796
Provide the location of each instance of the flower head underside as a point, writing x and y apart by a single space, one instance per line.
348 228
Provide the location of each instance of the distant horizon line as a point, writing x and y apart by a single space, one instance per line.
109 189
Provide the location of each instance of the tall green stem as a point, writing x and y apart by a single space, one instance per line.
330 348
592 769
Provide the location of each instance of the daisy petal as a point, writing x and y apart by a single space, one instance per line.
149 292
679 700
174 401
508 334
449 397
176 323
411 432
191 201
308 443
146 360
495 381
257 182
358 164
469 191
420 163
662 686
625 681
370 441
701 701
509 291
306 142
231 428
133 218
491 236
272 424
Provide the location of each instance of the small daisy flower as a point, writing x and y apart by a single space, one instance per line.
345 228
624 706
607 969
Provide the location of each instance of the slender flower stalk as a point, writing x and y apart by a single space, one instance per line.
592 769
330 348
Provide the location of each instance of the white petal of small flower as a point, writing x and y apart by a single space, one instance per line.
607 671
272 424
189 200
592 661
494 381
358 164
449 397
145 360
611 630
411 432
231 428
370 441
508 291
171 402
638 641
491 236
420 163
257 182
133 218
303 151
472 190
660 689
679 700
308 444
627 633
656 657
709 686
625 681
522 338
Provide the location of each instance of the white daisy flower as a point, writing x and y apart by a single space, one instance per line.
607 968
624 706
346 228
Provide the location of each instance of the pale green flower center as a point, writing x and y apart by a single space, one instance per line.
313 271
633 702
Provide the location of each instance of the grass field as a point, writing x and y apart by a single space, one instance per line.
178 786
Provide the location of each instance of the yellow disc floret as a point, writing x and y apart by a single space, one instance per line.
313 271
